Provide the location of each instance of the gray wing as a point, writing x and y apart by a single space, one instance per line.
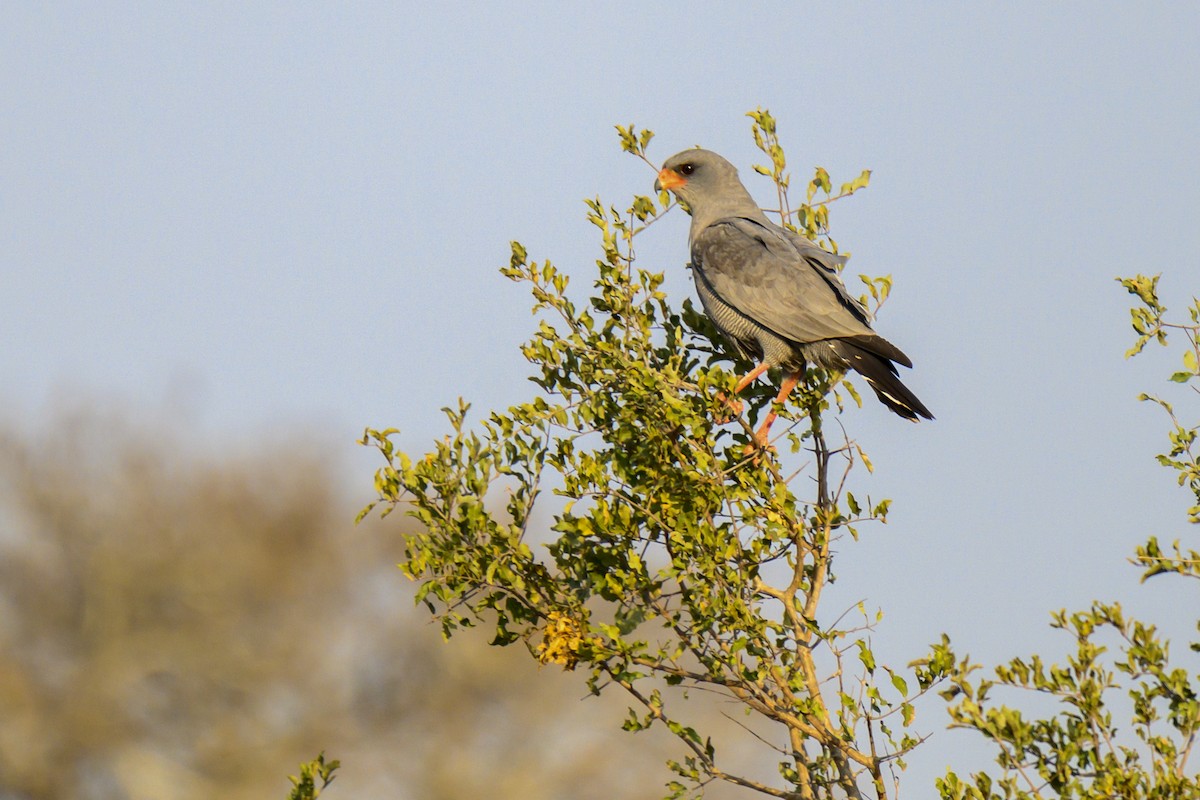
782 286
829 266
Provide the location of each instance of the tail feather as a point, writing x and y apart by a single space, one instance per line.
880 374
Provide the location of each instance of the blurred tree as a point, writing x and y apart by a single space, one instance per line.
680 555
158 606
177 625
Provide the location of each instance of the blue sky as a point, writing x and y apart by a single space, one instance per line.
292 218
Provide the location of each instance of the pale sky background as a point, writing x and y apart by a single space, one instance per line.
292 217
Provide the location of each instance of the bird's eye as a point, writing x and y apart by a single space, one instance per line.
687 169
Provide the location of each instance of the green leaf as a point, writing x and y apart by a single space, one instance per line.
866 656
858 183
1189 361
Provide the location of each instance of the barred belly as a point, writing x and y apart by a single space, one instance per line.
752 340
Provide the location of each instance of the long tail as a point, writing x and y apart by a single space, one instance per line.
880 374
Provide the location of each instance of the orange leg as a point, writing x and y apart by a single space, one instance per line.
749 377
789 383
734 404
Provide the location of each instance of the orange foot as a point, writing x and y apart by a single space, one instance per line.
759 444
734 405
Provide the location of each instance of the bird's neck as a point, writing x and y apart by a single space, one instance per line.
735 204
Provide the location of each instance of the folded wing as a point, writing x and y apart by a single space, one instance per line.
785 284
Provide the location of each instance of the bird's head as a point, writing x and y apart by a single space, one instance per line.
701 179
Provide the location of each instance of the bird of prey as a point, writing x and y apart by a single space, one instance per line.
774 294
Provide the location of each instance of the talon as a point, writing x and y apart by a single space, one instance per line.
734 405
759 445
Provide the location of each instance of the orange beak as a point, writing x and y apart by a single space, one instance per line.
670 179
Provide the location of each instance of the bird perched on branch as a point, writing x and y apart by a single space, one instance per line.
774 294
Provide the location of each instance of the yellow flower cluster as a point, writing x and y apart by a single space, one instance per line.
561 641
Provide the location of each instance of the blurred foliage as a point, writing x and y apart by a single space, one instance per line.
684 566
181 621
1092 747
